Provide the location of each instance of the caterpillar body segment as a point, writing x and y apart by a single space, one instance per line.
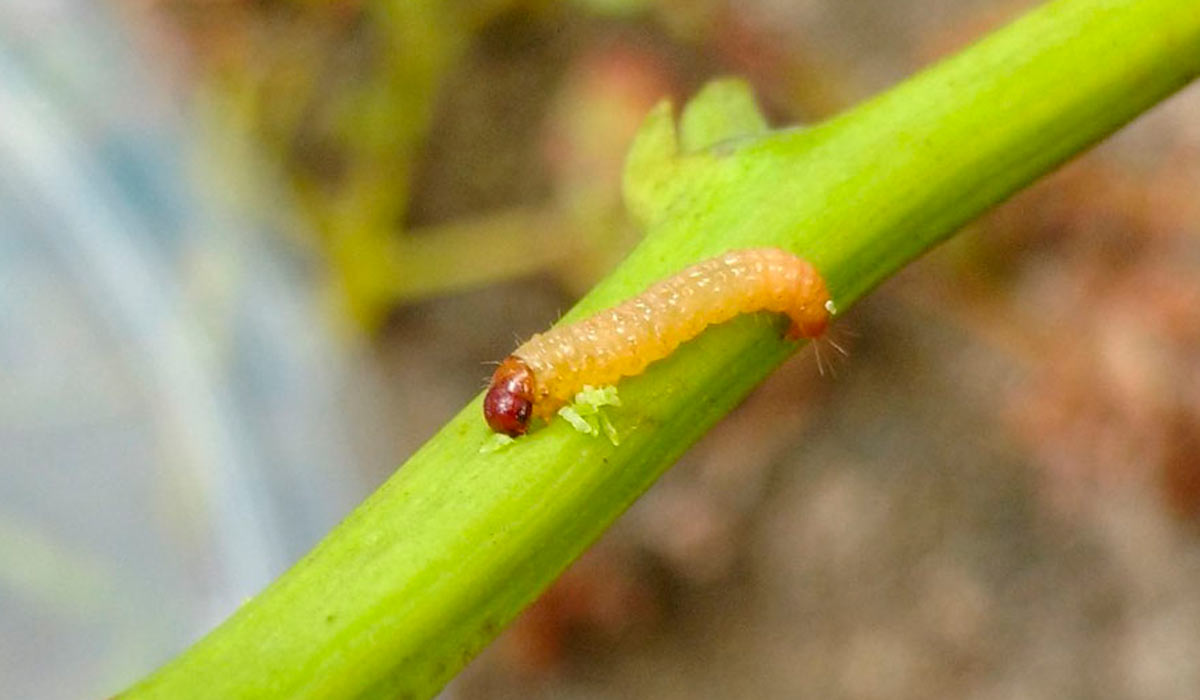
547 370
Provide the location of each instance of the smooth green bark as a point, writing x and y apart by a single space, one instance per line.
404 592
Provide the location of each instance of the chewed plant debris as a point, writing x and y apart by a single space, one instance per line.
585 414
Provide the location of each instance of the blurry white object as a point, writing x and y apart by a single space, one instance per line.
172 427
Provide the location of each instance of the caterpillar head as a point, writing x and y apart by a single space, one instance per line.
508 405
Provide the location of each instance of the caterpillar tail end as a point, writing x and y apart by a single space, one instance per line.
798 331
811 324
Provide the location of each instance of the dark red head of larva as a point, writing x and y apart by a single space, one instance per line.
508 405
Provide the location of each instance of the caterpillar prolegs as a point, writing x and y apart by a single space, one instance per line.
546 371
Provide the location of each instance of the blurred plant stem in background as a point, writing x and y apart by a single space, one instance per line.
483 249
342 96
347 123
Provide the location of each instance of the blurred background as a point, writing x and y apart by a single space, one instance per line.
253 253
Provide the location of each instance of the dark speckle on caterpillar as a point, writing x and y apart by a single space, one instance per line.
544 373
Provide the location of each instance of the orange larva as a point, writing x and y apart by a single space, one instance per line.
550 368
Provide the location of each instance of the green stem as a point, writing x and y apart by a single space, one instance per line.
419 578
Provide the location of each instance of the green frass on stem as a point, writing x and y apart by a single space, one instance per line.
425 572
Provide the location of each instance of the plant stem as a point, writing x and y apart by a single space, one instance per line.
405 591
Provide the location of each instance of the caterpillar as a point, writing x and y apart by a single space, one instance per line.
542 375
